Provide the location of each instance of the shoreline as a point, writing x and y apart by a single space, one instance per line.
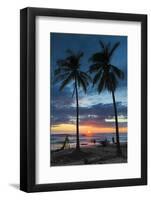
96 154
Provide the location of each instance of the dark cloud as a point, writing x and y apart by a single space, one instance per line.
61 99
95 115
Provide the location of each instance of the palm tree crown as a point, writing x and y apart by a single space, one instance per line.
106 74
69 71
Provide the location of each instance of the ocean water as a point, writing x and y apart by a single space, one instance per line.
57 140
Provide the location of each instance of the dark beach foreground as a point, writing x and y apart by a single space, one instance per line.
96 154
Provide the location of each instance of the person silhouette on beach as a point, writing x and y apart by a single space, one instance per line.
66 143
67 139
113 140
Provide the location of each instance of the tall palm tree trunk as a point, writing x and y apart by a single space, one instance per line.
119 152
77 117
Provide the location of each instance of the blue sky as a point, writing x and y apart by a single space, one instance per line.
94 108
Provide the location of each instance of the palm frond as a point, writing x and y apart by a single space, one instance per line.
97 77
61 70
101 85
94 67
80 54
63 63
85 76
61 77
74 58
96 57
108 45
118 72
73 62
73 91
112 83
57 71
114 48
82 83
102 44
66 81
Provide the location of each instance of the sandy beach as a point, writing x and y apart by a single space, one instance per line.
96 154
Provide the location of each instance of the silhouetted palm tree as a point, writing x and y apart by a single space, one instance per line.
106 76
68 71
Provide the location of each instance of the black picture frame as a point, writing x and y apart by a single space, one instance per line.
28 98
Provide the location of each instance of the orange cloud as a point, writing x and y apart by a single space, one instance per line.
84 129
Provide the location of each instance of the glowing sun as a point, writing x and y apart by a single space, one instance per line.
89 133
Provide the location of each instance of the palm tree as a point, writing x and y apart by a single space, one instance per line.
106 76
67 72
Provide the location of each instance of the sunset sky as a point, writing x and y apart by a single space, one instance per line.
96 110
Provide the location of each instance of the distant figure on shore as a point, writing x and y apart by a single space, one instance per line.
66 143
93 141
113 140
104 142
